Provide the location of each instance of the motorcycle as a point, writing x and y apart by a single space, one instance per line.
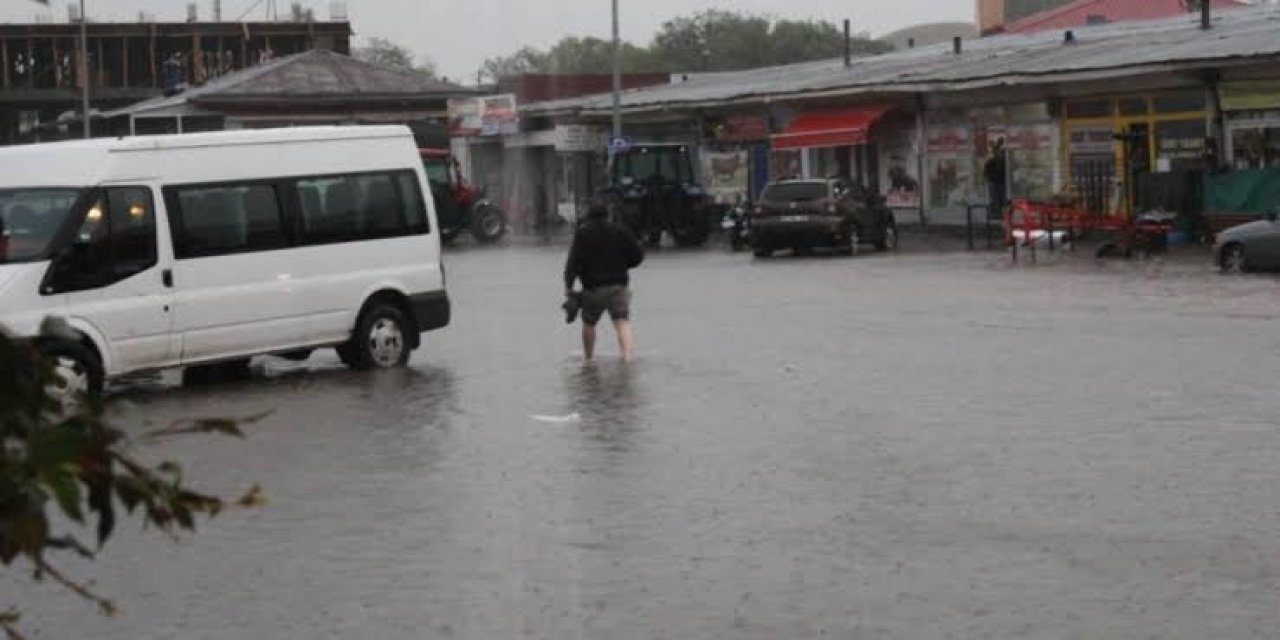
737 225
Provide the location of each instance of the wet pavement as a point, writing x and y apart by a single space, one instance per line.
920 445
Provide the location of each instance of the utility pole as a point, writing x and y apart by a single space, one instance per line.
617 75
84 71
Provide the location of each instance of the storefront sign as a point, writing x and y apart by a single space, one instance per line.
1249 95
1090 141
949 140
1180 140
577 138
484 116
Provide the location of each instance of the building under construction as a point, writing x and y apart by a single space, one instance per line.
41 82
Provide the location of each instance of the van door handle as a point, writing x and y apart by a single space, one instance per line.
166 277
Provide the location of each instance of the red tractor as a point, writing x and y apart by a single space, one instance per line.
459 206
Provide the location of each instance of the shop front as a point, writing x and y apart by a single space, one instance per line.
1250 180
1252 115
1126 152
551 175
829 143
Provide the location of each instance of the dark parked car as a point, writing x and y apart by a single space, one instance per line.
804 214
1255 245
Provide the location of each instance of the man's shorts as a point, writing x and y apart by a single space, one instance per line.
614 299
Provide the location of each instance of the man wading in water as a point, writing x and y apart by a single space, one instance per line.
602 254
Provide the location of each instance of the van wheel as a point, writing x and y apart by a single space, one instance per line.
76 373
380 341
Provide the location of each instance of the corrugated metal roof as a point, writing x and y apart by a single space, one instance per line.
1111 50
311 74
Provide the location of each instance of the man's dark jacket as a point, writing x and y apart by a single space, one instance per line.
601 255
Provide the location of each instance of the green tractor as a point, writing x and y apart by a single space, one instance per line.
652 190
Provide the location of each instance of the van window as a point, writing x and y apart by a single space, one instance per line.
351 208
225 219
29 220
117 239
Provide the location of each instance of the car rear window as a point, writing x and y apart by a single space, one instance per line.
795 191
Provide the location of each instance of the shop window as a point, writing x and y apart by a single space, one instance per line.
1089 109
1179 103
1256 147
1180 146
1133 107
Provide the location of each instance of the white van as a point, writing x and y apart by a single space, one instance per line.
198 249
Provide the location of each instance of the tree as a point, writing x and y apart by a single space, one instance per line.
728 41
713 40
73 462
593 55
526 60
385 53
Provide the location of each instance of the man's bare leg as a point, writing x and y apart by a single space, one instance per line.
588 341
625 342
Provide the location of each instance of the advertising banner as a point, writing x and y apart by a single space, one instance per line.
726 175
483 116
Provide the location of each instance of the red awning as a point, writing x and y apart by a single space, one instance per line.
829 128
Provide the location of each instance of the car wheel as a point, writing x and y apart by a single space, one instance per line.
76 373
1234 259
380 341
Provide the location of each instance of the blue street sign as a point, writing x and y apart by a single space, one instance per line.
619 145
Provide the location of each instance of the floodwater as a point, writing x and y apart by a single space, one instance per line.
930 444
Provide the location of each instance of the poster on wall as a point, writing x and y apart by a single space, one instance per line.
900 169
950 166
483 116
1031 161
726 175
785 164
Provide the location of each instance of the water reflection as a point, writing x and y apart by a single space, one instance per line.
611 400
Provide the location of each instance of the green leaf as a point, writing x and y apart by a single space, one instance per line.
66 490
100 503
53 447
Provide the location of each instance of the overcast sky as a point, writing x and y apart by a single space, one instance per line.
460 34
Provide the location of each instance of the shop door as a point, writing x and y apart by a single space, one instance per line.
1136 142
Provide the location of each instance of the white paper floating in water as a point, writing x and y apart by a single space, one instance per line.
569 419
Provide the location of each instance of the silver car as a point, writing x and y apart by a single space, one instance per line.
1254 245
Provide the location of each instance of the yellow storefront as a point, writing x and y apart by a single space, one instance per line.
1107 142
